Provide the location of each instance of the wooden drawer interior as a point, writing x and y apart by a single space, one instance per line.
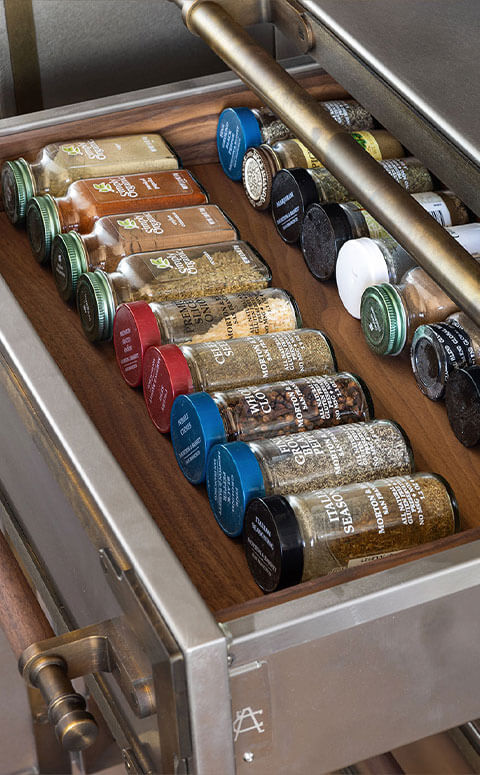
215 563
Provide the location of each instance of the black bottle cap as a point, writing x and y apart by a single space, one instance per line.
462 399
273 543
324 230
292 192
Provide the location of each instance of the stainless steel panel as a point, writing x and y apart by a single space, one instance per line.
361 668
411 64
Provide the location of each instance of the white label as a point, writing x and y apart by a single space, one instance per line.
434 205
468 236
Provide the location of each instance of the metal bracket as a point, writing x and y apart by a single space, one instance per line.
287 15
108 647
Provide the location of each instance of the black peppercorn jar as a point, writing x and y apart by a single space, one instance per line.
462 399
199 421
327 457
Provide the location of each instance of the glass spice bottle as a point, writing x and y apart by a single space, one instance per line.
261 164
327 457
201 420
440 348
138 326
462 401
367 262
59 164
113 238
242 128
294 190
88 200
170 371
327 228
184 273
289 539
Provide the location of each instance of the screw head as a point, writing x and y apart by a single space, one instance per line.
248 756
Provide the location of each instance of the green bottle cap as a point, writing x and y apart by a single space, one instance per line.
69 260
383 319
96 305
43 224
17 188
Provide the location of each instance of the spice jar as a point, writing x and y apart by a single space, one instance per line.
242 128
327 228
295 189
59 164
462 399
441 347
260 165
328 457
292 538
114 237
139 325
365 262
87 200
200 421
176 274
170 371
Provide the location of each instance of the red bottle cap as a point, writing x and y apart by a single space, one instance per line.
165 376
135 329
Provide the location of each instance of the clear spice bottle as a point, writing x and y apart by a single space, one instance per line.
366 262
184 273
462 400
327 228
294 190
59 164
200 421
242 128
261 164
440 348
115 237
138 326
170 371
88 200
328 457
292 538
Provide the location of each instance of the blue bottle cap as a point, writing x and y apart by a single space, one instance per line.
195 427
234 477
237 130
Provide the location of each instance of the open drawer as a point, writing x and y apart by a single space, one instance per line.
308 679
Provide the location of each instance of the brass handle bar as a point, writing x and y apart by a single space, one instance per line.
24 622
435 250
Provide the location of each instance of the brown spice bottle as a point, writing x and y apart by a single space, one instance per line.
88 200
293 538
112 238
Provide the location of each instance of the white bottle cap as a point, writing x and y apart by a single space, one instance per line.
360 263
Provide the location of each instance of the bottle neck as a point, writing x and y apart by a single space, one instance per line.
95 251
40 176
121 288
356 220
398 261
423 300
68 214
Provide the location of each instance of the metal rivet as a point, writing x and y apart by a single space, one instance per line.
248 756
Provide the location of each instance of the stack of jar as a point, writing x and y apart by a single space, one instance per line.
377 280
255 404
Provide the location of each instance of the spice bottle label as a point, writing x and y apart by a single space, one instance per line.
369 143
339 110
88 154
398 169
154 185
468 237
310 159
434 205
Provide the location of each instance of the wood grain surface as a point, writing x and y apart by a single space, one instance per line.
215 563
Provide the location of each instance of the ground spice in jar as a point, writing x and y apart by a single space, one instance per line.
330 457
139 325
176 274
293 538
170 371
462 400
58 164
114 237
294 190
88 200
200 421
440 348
